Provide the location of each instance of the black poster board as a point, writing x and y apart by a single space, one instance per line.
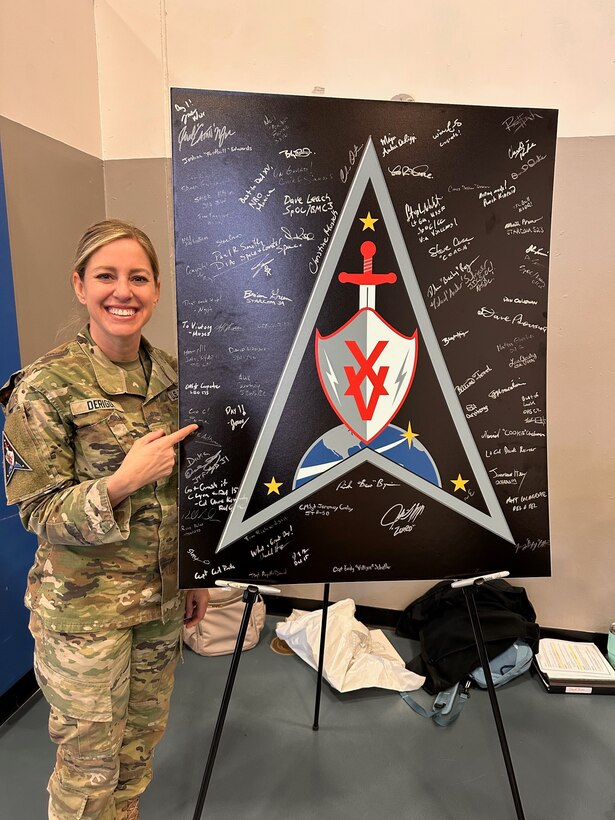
362 317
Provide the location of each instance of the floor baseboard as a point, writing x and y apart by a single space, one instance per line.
17 696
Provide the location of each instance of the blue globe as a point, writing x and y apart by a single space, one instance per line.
339 443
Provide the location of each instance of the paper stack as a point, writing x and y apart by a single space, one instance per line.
574 667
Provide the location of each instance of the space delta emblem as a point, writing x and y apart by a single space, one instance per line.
369 357
12 460
366 369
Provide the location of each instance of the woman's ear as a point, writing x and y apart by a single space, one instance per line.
78 287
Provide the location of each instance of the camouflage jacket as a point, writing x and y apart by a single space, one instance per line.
71 418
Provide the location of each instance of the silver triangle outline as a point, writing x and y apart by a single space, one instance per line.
237 525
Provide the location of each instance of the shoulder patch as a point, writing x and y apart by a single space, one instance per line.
82 406
12 460
173 394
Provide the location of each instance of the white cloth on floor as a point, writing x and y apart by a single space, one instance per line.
355 656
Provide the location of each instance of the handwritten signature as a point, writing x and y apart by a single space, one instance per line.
400 519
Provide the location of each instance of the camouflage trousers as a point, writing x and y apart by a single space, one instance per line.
109 693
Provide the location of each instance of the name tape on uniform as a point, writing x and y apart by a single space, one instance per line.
78 408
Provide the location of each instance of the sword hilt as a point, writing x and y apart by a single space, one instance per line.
368 251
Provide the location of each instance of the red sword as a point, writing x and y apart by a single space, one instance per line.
367 281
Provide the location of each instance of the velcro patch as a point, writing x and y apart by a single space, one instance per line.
173 394
78 408
12 460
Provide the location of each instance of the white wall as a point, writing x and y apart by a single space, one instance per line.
551 54
134 93
48 70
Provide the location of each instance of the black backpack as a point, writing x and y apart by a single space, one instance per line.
439 619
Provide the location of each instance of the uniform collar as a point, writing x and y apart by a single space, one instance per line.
163 374
112 378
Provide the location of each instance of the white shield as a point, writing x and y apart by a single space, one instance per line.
366 369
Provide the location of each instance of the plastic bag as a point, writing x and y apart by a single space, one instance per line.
355 657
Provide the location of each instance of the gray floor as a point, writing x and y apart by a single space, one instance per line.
372 757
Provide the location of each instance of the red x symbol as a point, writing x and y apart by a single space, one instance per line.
366 371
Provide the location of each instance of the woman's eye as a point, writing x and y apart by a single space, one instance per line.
140 279
104 276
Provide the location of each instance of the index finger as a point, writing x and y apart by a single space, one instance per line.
180 435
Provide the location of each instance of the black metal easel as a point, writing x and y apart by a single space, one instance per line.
249 596
321 659
469 590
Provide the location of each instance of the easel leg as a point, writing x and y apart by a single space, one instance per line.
469 592
249 596
321 659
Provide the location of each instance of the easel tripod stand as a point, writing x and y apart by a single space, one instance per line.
250 594
469 586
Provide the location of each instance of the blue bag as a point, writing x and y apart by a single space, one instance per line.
449 704
513 662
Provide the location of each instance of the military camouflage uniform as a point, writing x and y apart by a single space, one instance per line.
106 611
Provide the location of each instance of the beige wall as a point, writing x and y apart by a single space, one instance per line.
551 54
51 146
581 389
53 193
140 191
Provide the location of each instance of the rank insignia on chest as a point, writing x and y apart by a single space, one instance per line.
12 460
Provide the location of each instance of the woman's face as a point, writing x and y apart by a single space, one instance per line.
119 292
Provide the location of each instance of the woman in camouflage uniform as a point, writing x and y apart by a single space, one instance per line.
89 457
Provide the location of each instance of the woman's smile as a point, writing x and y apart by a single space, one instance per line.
116 311
120 292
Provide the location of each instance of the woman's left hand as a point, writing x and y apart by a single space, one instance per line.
196 606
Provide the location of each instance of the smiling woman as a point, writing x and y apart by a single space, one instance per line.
89 458
118 282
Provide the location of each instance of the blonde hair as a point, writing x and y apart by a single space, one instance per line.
110 230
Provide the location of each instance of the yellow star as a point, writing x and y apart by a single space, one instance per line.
459 482
369 222
273 486
409 434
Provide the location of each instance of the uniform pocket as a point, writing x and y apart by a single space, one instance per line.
155 654
72 696
87 716
65 802
29 468
102 440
